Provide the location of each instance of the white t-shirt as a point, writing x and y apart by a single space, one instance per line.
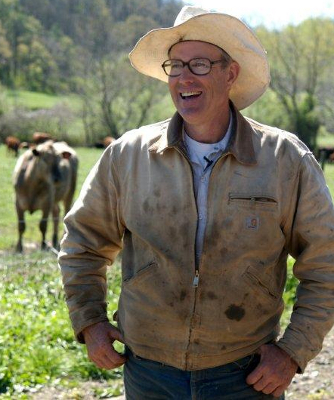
203 157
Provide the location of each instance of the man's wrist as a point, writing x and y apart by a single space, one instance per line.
288 356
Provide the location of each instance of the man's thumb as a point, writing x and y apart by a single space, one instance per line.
115 334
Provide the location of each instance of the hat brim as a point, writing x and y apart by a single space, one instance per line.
222 30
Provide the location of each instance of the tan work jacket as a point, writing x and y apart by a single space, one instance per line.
267 198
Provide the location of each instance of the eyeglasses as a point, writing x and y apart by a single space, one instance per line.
198 66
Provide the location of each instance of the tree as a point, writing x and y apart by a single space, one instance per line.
5 54
300 58
117 98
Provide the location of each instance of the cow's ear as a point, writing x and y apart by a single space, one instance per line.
35 152
66 155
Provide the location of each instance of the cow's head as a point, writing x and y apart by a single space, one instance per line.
48 160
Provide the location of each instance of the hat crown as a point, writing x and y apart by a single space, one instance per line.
188 12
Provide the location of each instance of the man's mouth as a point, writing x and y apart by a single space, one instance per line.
190 95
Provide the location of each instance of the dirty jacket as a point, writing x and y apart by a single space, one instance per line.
267 198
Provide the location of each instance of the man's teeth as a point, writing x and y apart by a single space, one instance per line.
188 94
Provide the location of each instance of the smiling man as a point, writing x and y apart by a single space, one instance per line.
201 100
206 207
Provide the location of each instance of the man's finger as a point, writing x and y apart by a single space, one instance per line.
103 361
261 384
114 357
255 376
270 388
279 391
115 334
112 363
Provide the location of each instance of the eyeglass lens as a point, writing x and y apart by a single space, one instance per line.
198 66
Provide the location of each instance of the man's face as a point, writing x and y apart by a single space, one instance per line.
209 93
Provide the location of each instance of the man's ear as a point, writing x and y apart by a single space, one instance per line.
233 73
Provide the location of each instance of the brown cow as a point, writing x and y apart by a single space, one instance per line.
107 140
13 144
44 176
41 137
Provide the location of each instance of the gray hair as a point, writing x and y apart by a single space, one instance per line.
226 58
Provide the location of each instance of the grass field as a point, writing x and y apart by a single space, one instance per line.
36 101
37 347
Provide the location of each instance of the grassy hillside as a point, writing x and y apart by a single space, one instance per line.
36 101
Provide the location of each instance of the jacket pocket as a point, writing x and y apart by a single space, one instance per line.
262 284
140 274
253 200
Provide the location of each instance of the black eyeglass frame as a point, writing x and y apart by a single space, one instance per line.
163 65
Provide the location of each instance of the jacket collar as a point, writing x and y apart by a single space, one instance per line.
240 145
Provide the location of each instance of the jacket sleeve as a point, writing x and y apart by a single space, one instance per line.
92 240
312 245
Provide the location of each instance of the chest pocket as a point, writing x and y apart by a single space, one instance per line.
253 201
255 215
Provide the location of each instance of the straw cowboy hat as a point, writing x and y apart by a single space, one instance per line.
222 30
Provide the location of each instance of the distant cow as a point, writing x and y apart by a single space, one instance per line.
102 144
41 137
324 154
44 176
13 144
107 140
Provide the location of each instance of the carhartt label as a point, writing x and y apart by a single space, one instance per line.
252 223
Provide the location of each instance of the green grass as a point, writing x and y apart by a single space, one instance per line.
74 129
35 100
37 346
329 175
325 140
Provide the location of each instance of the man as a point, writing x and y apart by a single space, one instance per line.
206 207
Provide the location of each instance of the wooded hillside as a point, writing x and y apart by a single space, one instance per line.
47 45
80 47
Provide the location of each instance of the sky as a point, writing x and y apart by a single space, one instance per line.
273 14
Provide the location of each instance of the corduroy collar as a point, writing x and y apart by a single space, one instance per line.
240 145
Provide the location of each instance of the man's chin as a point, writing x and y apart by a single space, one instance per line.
190 115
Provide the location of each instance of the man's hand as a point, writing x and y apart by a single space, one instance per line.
99 339
274 372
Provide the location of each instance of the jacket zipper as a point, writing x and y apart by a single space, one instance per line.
180 150
196 277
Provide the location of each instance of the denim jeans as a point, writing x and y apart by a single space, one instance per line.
150 380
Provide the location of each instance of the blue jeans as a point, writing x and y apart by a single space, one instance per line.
151 380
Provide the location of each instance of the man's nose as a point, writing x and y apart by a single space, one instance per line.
186 75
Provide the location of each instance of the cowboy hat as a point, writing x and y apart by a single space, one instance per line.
222 30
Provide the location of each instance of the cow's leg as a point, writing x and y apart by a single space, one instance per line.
43 226
68 201
55 215
21 227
